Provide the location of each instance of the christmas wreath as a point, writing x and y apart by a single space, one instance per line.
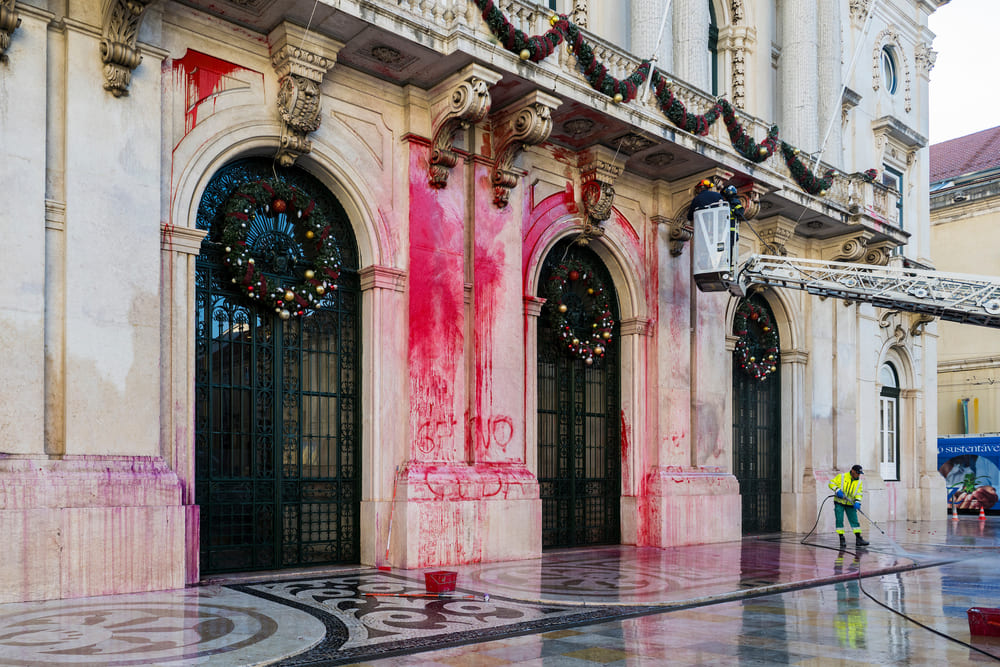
757 346
590 341
312 232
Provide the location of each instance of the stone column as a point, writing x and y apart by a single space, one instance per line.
797 72
832 50
690 39
647 17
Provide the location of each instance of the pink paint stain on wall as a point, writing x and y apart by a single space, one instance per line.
625 448
204 77
436 310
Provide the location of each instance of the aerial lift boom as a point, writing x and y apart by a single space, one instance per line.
951 296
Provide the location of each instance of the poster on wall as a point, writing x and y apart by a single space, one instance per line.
970 465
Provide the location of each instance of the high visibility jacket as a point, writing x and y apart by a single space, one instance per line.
850 487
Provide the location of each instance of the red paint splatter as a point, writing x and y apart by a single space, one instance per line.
436 312
204 76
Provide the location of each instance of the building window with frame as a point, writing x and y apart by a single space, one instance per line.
713 47
888 402
893 178
889 70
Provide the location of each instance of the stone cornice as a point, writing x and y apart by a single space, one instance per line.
181 239
382 277
968 364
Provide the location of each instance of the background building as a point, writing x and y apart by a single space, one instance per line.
965 209
420 188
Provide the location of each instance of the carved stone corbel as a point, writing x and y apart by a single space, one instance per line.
879 253
119 52
300 59
847 248
679 232
457 106
597 190
9 20
774 235
920 322
525 123
750 198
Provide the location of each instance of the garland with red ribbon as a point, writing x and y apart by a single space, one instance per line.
757 345
598 323
310 221
538 47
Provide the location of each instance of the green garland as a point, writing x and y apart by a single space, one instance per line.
757 345
537 48
590 344
275 198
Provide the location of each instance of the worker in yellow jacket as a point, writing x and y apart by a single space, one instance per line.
847 488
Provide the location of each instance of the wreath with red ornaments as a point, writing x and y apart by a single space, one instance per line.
757 345
579 310
311 231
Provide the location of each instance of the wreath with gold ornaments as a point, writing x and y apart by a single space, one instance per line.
757 345
307 223
579 311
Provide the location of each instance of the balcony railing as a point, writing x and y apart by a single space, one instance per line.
858 200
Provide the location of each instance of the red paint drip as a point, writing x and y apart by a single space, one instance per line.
204 76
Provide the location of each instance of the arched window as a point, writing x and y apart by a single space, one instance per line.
713 47
889 423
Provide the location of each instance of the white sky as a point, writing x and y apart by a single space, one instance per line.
964 89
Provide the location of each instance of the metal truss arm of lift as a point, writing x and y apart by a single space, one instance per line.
717 267
954 297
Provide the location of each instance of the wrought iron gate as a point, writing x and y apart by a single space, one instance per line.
277 415
757 426
579 446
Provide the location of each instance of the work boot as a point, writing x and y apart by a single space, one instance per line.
843 541
860 541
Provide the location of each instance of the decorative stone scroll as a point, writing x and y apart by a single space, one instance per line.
119 52
9 20
464 103
679 231
525 123
597 190
300 59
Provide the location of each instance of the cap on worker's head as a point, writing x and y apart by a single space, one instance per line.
857 469
705 183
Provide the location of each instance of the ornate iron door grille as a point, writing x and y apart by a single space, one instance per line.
277 416
757 444
579 446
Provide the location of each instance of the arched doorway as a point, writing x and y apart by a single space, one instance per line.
757 415
277 424
579 439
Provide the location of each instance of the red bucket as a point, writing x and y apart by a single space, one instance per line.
441 581
984 621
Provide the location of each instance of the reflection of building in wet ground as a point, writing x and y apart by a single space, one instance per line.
770 600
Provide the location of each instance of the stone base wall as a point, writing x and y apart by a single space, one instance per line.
89 525
690 505
452 514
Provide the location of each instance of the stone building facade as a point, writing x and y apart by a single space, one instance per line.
161 421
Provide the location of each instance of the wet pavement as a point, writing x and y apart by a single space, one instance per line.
770 600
